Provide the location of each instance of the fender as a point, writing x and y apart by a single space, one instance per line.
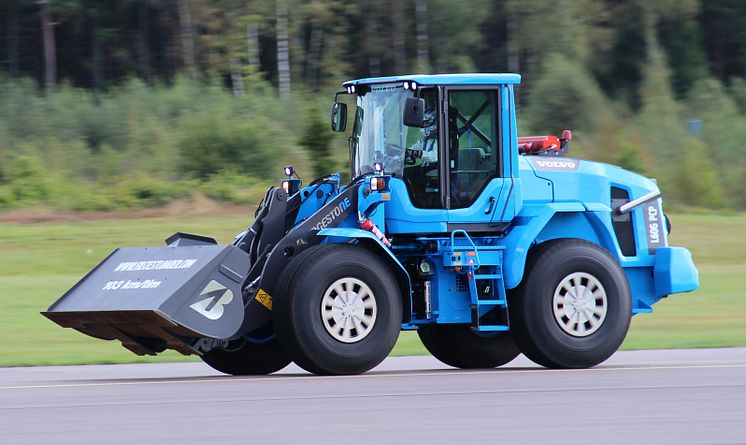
528 224
346 234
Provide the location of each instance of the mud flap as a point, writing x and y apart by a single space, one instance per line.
152 299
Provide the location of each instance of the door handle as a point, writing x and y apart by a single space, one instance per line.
491 206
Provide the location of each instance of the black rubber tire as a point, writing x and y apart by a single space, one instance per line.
244 357
458 346
297 310
533 326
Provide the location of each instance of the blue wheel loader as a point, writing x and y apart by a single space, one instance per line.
487 244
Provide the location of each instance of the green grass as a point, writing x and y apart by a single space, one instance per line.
40 261
715 314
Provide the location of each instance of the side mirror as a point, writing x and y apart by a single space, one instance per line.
414 112
339 117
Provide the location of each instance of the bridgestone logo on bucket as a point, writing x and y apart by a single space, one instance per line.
131 266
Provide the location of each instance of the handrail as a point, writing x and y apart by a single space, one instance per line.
468 238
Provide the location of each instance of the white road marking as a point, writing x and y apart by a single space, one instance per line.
387 374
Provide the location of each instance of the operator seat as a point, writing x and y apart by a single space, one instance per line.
470 174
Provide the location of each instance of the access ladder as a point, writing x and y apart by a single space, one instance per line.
468 258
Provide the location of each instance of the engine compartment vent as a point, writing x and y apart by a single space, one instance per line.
623 227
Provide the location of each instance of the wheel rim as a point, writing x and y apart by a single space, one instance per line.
348 310
580 304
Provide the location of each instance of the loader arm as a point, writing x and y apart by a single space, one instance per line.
152 299
263 276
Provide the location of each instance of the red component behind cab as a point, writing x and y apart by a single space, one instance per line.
541 144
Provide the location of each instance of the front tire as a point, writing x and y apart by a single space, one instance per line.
573 308
338 310
458 346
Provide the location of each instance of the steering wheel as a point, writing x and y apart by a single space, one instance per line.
411 155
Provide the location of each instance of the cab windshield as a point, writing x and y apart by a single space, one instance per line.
379 135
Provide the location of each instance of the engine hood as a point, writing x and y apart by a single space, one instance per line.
579 180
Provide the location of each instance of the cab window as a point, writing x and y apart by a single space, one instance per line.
421 171
473 143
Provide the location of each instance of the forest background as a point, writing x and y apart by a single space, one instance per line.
127 104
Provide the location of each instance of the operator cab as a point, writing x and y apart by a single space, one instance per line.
442 135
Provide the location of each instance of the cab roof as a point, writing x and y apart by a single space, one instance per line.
444 79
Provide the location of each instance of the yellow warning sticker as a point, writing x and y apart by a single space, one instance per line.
264 298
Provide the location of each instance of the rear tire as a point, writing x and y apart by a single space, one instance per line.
458 346
338 310
244 357
573 308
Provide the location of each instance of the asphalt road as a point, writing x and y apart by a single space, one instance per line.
677 397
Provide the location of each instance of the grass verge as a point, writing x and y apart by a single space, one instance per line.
40 261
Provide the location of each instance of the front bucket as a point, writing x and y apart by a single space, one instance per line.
156 298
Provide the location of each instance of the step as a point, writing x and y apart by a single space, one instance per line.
492 302
491 328
487 276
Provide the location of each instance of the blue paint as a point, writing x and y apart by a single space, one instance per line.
674 271
444 79
533 200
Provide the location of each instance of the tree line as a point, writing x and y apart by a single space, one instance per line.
316 43
658 86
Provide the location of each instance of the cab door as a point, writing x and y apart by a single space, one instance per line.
476 189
